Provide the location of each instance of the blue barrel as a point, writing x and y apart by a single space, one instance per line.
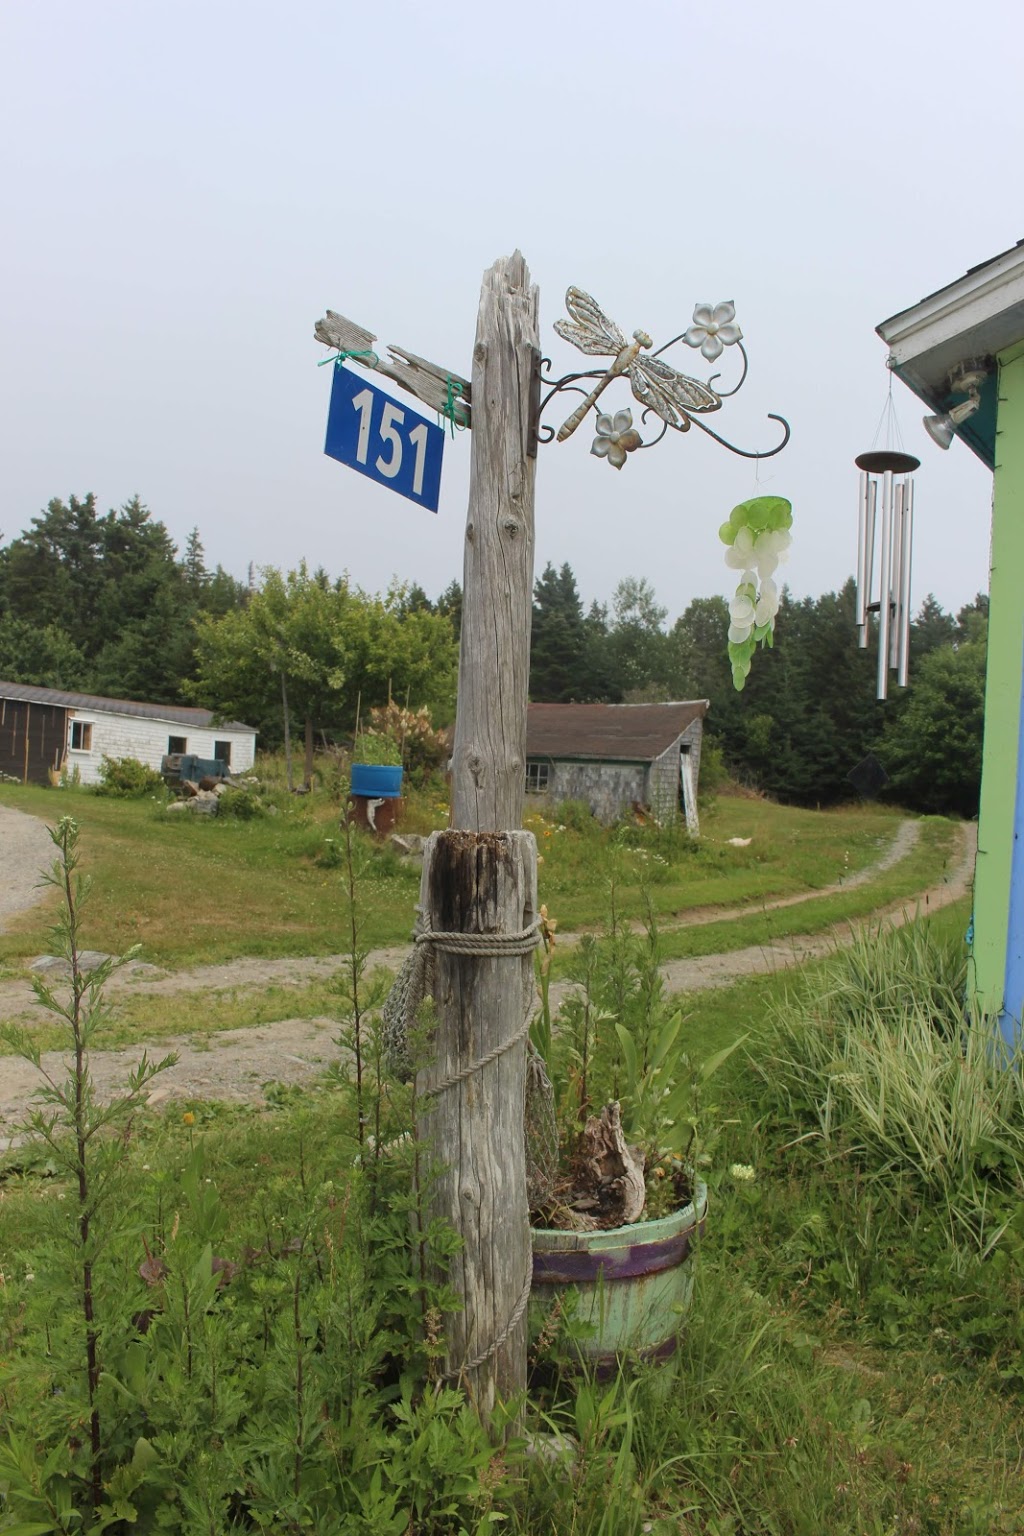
376 781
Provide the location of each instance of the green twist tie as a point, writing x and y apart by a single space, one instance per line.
452 409
339 358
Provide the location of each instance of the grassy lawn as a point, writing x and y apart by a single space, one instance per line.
197 1014
790 851
926 865
716 1015
193 890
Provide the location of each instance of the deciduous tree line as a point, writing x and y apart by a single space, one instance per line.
105 604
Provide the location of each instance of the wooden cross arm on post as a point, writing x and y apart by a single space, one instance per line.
439 388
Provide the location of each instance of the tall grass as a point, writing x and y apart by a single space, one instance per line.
883 1059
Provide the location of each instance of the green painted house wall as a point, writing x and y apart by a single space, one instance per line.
1003 688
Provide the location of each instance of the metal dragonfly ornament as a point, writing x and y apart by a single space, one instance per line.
663 391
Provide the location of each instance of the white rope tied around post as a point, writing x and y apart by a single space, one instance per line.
415 980
482 1061
493 945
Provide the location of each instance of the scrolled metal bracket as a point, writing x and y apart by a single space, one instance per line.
664 392
536 364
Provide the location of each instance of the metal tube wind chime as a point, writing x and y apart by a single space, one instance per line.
894 541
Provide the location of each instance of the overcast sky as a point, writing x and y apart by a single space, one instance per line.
187 187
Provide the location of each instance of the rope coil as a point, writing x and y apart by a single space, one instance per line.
482 1061
501 1339
493 944
415 981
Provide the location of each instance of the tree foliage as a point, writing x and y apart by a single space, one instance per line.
558 642
328 648
109 605
932 743
103 603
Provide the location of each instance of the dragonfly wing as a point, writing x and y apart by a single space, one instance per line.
589 329
670 394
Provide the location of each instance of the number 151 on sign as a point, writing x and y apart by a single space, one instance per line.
391 443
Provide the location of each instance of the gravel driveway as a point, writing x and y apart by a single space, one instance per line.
25 849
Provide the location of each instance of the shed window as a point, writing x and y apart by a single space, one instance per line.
81 735
222 751
177 744
538 777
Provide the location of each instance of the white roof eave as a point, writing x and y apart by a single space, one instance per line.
979 315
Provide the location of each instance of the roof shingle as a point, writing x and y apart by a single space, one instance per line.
614 732
28 693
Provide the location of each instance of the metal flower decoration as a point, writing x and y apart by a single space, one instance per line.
616 436
713 329
662 391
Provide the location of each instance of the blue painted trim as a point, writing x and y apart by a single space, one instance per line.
1013 986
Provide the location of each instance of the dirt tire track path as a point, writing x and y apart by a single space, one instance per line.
235 1065
25 849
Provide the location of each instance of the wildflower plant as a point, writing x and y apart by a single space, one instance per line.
87 1142
175 1359
618 1036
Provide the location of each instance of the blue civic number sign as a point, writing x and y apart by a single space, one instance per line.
397 446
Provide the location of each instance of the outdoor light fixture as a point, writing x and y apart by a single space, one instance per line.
966 380
940 429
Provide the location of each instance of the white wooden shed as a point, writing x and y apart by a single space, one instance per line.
45 729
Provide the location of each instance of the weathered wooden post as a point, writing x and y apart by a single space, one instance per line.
480 878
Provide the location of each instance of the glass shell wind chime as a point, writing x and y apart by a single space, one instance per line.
885 542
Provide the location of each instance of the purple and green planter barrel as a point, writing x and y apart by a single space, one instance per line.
633 1284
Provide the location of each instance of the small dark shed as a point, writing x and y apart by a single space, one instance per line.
615 756
33 734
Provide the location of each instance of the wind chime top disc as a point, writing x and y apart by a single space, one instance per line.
878 463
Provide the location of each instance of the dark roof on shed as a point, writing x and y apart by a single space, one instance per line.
612 732
28 693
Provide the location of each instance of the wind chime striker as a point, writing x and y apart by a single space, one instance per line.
894 541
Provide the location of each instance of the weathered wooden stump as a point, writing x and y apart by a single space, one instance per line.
471 1097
